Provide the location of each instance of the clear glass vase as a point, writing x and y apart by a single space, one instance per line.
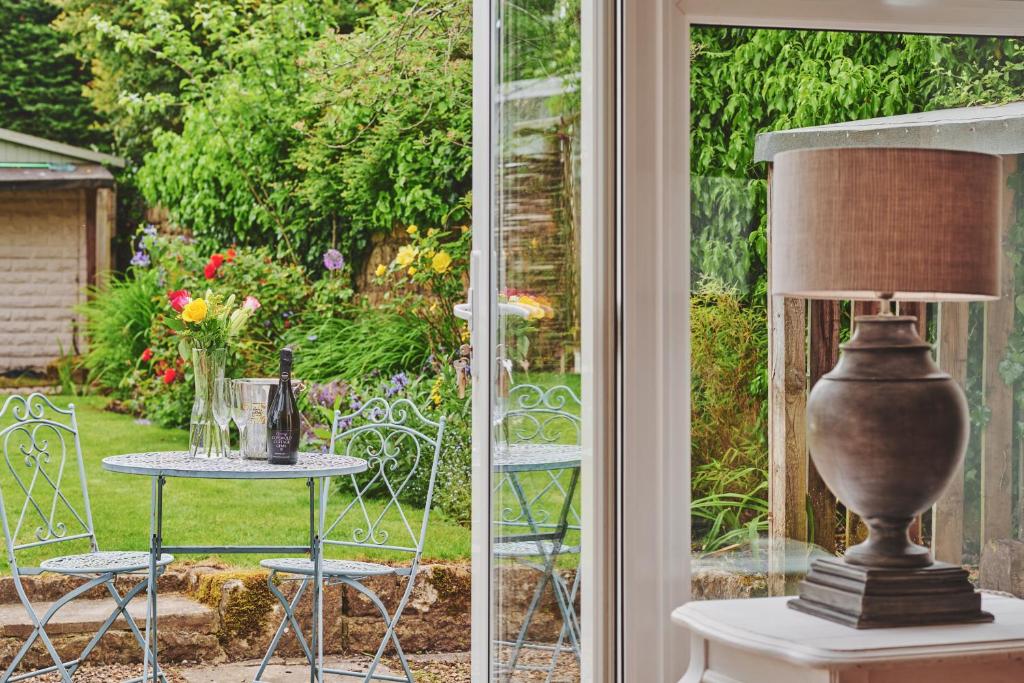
206 438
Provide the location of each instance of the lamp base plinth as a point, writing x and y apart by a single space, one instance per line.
867 597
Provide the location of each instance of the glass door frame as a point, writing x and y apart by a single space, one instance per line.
635 306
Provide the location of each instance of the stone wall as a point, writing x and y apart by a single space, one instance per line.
43 264
214 614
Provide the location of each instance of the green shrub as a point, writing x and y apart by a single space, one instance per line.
729 347
363 341
118 318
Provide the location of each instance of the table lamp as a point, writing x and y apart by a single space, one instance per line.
886 428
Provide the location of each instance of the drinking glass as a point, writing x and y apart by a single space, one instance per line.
236 401
222 409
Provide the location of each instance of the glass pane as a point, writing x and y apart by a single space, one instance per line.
536 395
747 83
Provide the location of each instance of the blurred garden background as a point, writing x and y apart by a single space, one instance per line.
316 154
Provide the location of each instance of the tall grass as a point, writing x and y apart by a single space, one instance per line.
117 321
358 344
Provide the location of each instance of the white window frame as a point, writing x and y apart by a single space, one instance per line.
635 308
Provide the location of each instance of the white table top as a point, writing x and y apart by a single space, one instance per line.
532 457
182 464
767 626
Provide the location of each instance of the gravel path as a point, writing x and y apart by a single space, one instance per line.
435 668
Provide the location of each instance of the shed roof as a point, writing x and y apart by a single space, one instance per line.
18 148
90 175
996 129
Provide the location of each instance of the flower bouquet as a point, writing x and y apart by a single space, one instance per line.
204 327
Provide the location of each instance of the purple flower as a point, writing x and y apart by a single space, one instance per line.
140 259
150 229
355 403
333 260
344 423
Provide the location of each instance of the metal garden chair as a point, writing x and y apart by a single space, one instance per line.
398 442
536 417
42 460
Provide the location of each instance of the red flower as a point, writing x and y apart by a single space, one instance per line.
231 253
179 298
147 355
217 260
170 376
210 271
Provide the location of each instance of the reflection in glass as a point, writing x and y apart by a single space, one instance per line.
536 394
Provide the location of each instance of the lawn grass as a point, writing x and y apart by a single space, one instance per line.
226 512
202 512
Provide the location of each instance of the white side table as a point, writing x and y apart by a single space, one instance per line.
763 641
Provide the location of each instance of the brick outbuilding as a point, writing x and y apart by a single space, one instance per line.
57 217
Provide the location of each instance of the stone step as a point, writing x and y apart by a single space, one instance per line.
177 612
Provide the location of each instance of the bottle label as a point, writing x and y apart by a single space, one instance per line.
282 446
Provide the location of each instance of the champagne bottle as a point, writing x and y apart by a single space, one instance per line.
283 417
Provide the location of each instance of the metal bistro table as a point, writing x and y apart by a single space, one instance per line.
543 538
311 466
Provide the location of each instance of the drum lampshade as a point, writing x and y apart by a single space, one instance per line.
901 223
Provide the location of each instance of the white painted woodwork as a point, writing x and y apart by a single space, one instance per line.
763 641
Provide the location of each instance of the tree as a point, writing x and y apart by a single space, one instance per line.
41 82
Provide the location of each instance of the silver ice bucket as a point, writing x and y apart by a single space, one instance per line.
255 397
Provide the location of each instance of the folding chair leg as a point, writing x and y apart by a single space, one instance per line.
289 618
39 632
123 603
390 623
527 619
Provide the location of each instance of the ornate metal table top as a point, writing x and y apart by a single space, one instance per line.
531 457
181 464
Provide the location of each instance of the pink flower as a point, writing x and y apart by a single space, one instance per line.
147 355
179 298
251 303
210 271
170 375
217 260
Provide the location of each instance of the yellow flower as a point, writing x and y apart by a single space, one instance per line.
464 228
195 311
381 269
412 230
406 255
431 232
429 253
441 262
412 271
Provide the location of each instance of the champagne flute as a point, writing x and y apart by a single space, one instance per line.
222 410
238 412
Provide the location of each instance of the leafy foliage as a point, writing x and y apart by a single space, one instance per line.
748 81
294 124
40 82
117 323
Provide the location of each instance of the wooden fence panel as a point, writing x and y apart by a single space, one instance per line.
997 436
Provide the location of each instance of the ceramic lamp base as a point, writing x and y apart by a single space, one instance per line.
866 597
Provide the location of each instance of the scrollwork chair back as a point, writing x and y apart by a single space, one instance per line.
40 504
534 414
398 442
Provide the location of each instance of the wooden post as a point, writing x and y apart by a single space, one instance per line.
787 442
825 318
997 436
106 225
948 513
